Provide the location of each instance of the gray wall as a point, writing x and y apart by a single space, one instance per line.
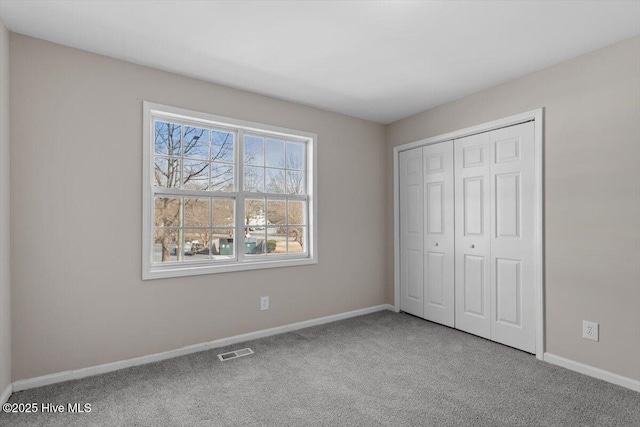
5 276
592 199
78 298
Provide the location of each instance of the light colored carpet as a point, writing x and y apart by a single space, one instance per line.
380 369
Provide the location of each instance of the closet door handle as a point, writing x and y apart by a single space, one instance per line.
436 243
473 246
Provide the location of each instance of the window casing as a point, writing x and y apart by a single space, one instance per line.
225 195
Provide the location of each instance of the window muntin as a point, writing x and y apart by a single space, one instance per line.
193 158
274 165
226 194
275 226
188 229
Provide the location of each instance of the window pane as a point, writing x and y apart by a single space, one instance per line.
222 245
167 172
222 146
222 177
167 139
275 153
196 244
254 216
223 213
295 155
196 143
296 213
276 212
167 212
295 182
274 181
254 241
253 150
253 179
276 240
196 212
165 242
296 240
195 175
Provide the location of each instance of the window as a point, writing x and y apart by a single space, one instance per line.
224 195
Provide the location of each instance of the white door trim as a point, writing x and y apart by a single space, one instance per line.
537 117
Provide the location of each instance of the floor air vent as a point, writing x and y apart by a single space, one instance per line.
235 354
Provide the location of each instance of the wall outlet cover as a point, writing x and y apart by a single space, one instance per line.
590 330
264 303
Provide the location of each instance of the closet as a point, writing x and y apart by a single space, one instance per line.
467 227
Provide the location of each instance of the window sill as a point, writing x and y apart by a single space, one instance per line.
163 272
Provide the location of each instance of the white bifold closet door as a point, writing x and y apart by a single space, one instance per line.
513 315
411 233
467 244
495 248
439 233
427 232
473 224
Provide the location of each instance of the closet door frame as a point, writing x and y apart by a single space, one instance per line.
537 117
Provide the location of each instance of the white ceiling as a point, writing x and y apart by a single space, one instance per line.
381 60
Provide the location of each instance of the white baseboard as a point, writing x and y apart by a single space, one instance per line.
591 371
6 394
223 342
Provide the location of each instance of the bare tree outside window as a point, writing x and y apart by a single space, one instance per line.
195 159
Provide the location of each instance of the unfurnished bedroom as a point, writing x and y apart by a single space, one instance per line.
319 213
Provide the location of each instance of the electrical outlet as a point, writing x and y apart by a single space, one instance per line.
590 330
264 303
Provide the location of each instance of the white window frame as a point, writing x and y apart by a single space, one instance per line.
151 270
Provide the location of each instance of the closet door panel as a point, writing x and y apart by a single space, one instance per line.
411 233
472 234
512 236
435 281
473 294
439 236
